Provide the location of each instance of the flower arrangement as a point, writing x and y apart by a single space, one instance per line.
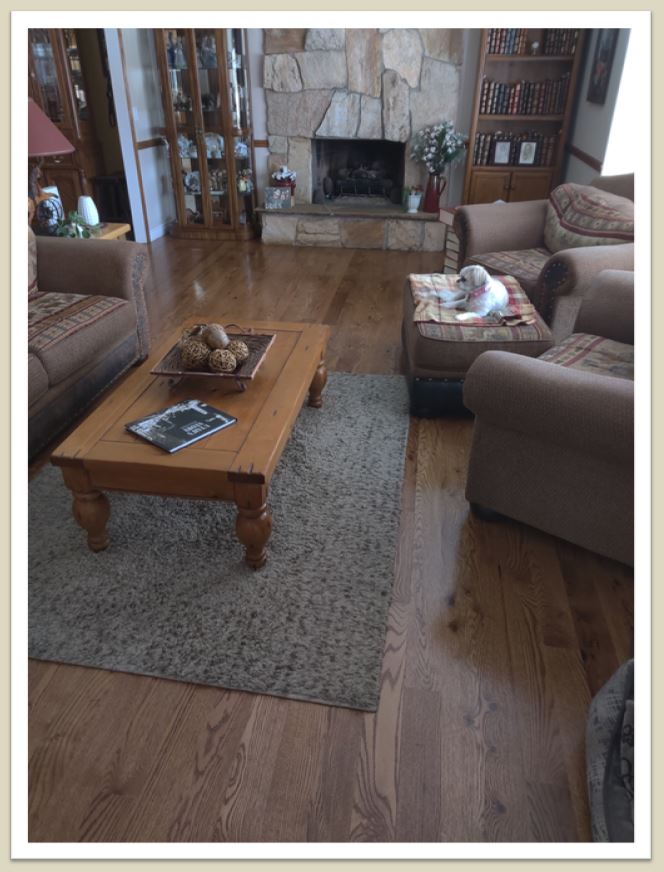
415 189
76 227
285 176
439 146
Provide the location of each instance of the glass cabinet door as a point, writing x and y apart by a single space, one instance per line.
181 77
46 75
238 85
78 84
208 54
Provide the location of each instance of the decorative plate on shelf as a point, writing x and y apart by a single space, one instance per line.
258 344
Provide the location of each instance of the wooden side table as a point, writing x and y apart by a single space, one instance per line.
114 231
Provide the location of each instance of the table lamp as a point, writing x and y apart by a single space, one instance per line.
44 140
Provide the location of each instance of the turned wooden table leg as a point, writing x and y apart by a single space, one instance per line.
91 507
317 385
254 522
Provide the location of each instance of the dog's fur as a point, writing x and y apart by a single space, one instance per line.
479 294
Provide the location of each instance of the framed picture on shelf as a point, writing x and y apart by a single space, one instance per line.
277 198
501 152
605 49
527 151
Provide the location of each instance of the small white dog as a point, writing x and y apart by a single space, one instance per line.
479 294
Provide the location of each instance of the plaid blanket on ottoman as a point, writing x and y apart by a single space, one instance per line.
429 294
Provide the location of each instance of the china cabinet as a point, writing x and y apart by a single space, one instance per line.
56 82
205 87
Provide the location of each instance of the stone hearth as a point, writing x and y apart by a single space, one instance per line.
353 226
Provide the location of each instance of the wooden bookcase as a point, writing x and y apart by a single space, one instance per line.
205 88
521 96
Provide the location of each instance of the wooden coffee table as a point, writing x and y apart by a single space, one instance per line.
235 465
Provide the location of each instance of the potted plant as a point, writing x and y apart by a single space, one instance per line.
75 226
414 197
437 147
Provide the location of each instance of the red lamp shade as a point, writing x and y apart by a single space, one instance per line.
44 138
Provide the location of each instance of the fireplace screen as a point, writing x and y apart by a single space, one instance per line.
358 168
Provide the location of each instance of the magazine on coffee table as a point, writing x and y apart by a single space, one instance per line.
180 425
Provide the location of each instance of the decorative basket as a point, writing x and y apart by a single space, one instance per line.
258 344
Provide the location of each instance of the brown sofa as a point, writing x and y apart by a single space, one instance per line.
508 238
87 324
553 438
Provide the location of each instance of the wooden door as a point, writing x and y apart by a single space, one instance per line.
530 185
486 186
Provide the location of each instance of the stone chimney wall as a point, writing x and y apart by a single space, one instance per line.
356 84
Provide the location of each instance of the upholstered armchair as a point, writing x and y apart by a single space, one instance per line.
510 238
553 438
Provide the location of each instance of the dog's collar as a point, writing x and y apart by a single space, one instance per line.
478 292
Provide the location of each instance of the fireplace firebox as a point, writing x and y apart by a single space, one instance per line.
369 169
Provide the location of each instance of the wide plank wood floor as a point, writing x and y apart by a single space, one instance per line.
498 636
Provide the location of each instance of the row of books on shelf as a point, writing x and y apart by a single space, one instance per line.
513 41
546 97
527 148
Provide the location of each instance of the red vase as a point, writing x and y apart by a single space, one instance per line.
435 187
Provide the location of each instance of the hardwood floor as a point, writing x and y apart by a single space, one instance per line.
498 636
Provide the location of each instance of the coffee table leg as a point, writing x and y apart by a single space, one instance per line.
254 522
91 508
317 384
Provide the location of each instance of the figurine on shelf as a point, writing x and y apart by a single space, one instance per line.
192 182
241 149
210 102
186 146
208 51
244 182
214 145
170 50
180 57
217 181
182 103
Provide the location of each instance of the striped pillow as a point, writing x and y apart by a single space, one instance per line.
578 215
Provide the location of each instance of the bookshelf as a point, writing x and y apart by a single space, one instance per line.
521 112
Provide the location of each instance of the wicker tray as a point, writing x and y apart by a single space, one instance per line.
258 344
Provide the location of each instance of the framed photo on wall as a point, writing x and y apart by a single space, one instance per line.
600 71
501 152
527 152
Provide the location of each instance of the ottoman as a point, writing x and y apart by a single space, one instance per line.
438 355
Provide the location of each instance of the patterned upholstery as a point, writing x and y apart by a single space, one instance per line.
578 215
32 264
525 265
67 331
594 354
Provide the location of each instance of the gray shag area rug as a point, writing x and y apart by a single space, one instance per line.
171 597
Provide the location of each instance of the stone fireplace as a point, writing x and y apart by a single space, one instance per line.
367 171
342 109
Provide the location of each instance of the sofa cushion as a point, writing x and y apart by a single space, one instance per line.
32 264
578 215
594 354
37 379
525 265
68 331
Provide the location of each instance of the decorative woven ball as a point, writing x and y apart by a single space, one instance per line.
194 353
215 336
222 360
239 348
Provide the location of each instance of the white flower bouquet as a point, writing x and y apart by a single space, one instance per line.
439 146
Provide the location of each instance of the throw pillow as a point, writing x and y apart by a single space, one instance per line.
32 264
578 215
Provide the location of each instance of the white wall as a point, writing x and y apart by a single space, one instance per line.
148 114
592 123
255 41
468 79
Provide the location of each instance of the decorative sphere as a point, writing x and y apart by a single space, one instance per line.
240 349
194 353
194 330
222 360
215 336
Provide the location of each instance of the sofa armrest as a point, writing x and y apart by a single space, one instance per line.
568 274
608 309
499 227
593 414
109 268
